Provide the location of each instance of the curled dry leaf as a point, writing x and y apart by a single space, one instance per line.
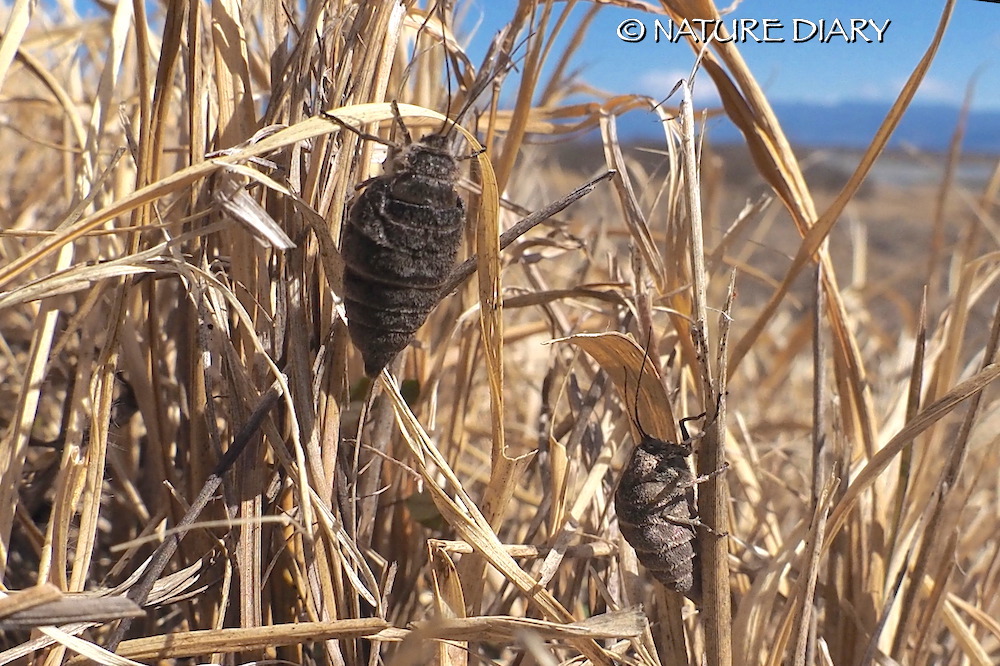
620 357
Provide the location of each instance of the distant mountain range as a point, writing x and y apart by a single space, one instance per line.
851 125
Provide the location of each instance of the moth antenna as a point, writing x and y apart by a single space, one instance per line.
415 52
638 384
447 78
496 64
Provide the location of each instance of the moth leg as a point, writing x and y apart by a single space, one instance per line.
711 475
694 522
351 128
702 479
687 438
399 121
365 183
681 520
471 155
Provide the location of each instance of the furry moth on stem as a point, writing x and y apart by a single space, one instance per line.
655 503
402 232
400 242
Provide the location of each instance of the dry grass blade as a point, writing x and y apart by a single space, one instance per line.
813 239
491 319
627 623
17 24
805 630
72 609
623 360
905 437
947 500
86 649
19 602
228 641
464 515
912 406
16 444
713 506
990 624
631 211
524 550
972 648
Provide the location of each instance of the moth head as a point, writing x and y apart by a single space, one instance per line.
430 156
664 448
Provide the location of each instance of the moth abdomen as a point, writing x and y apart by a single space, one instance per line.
669 555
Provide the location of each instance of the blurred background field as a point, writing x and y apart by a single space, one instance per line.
461 511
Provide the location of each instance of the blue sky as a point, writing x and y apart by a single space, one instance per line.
812 71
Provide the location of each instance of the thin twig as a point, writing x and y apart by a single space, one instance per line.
468 267
805 644
139 592
714 494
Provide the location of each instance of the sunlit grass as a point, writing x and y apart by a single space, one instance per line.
460 511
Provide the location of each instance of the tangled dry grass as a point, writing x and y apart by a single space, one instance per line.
192 467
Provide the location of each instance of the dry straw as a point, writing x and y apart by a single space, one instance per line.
192 467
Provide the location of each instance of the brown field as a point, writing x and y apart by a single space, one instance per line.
189 441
